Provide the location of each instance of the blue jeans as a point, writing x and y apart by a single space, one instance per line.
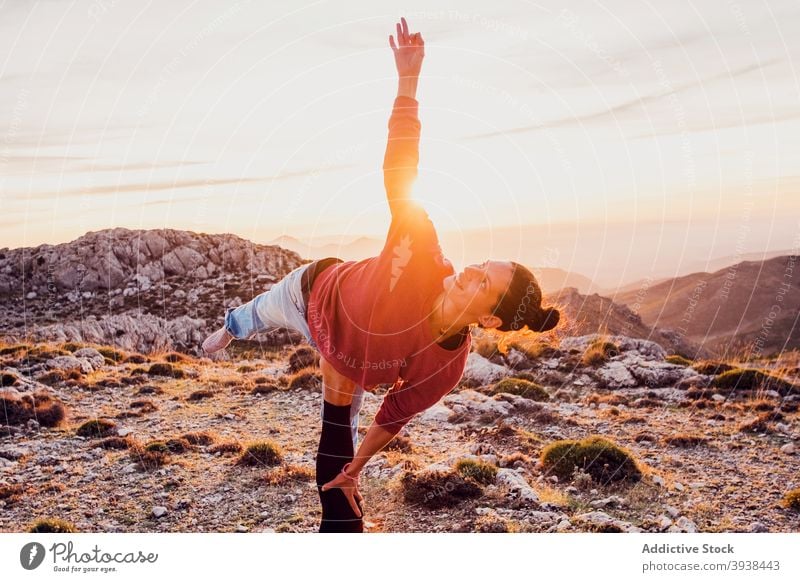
283 306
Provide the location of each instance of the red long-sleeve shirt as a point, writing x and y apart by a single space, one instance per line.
369 318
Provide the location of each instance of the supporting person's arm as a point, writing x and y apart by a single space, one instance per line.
402 149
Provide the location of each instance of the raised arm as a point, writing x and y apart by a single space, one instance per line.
402 149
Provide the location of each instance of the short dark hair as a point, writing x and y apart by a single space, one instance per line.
521 304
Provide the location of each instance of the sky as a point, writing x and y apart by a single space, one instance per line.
619 139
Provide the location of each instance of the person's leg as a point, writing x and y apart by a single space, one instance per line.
355 409
335 451
280 306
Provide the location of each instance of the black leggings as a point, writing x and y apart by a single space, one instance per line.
335 451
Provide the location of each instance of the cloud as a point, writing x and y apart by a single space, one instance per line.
109 189
625 106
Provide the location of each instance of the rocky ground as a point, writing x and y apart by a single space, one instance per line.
710 458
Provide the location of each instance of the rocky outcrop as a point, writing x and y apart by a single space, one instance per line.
136 289
117 258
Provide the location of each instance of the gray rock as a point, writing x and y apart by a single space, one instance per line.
601 520
686 524
94 357
482 371
475 403
436 413
517 484
615 375
69 363
788 448
159 511
758 527
611 501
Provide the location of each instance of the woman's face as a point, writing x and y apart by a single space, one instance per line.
477 289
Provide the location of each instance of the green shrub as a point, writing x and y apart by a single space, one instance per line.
598 352
165 369
110 353
534 349
438 489
178 445
264 388
156 447
151 456
52 525
98 427
711 368
520 387
679 360
72 346
40 406
480 471
604 460
400 443
200 438
306 379
8 379
792 500
752 379
13 350
229 447
200 395
264 453
115 442
303 357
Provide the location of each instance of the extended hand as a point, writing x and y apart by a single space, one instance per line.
408 56
349 487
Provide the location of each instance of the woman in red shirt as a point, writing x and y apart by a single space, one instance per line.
401 318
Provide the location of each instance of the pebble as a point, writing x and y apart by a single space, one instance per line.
658 480
686 524
717 397
123 432
241 528
159 511
289 498
758 527
788 448
672 511
678 486
663 522
564 525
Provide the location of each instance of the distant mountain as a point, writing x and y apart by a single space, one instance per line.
587 314
551 280
752 306
727 261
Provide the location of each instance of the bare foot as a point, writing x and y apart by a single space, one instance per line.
217 341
